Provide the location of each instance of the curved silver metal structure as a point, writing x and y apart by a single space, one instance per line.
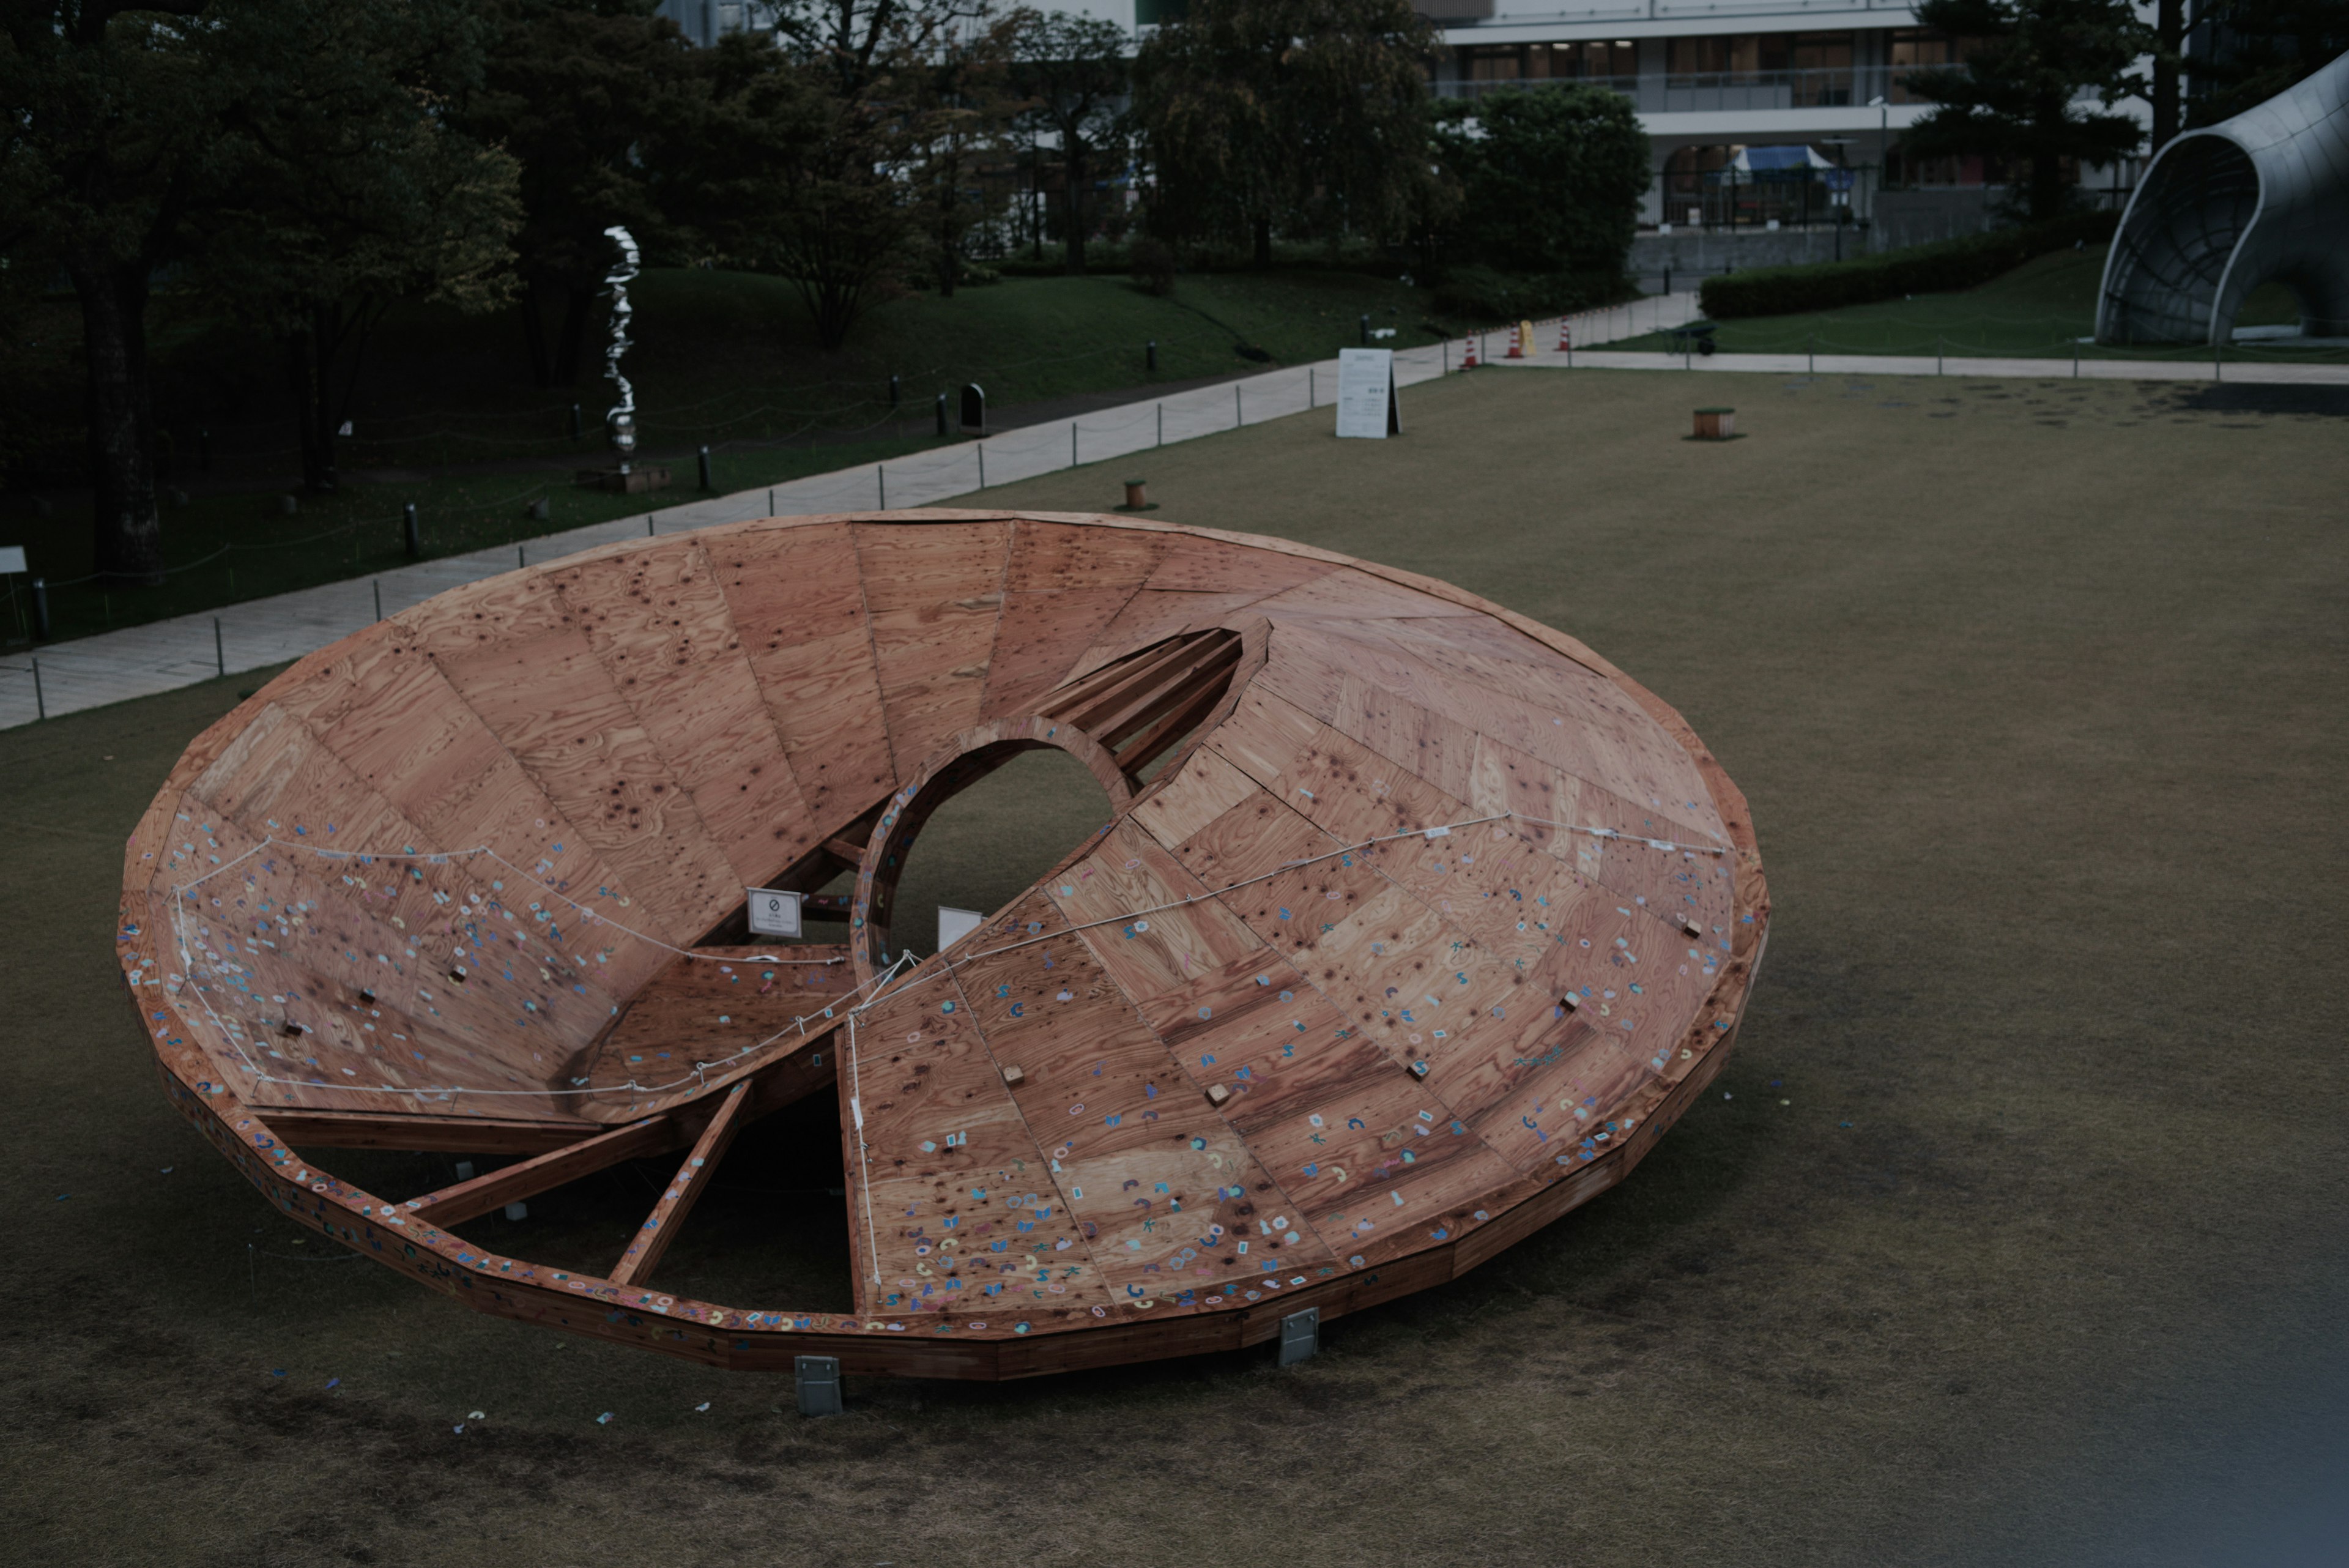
2262 197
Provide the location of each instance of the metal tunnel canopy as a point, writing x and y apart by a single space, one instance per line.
2263 197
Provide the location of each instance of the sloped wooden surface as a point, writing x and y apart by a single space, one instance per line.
1435 915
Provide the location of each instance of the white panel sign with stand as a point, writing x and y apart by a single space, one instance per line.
1366 399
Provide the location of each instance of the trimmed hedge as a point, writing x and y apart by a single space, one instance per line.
1936 268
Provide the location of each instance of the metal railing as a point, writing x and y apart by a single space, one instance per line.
1655 92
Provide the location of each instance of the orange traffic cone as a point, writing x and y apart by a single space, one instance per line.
1468 360
1516 341
1565 334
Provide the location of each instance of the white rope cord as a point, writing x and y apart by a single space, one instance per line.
443 856
876 985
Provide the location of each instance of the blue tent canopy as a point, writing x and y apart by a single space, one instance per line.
1777 160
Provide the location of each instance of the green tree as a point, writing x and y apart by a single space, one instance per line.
1072 70
345 185
101 159
2018 102
796 162
575 90
969 102
1551 178
2251 50
1304 117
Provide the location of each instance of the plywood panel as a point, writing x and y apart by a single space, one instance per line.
934 593
1202 789
552 705
660 624
798 601
1043 637
1196 566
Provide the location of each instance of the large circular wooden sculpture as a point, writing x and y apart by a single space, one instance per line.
1431 922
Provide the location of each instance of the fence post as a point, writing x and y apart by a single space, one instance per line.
770 500
1239 416
41 609
40 702
219 652
981 447
2215 352
521 556
1937 353
1311 398
411 531
1072 443
1161 424
881 480
652 523
1811 347
378 599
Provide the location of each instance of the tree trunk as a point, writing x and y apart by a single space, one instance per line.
1072 163
578 306
1264 239
122 419
306 352
534 335
2169 25
2046 168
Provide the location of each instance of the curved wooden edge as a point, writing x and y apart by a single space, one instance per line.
910 807
598 1308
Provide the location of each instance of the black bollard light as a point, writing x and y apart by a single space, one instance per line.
415 534
942 414
702 456
575 421
1150 356
893 392
1366 330
41 609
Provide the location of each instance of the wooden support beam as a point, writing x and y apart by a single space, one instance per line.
668 1218
362 1129
453 1206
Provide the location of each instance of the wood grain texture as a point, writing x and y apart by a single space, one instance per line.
1433 924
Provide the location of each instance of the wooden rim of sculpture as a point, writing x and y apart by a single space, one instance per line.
1427 924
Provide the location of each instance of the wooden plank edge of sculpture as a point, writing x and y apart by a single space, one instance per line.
419 1236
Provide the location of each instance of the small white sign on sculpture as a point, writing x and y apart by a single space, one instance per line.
1366 399
773 913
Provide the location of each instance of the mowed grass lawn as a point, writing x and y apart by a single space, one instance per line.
2015 1233
2041 310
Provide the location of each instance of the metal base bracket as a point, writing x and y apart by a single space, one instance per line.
1300 1337
818 1379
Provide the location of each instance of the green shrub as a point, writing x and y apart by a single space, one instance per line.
1482 293
1152 262
1936 268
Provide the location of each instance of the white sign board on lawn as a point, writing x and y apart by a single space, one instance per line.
1366 399
12 558
772 913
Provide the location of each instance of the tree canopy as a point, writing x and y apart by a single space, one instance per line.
2019 99
1307 117
1551 179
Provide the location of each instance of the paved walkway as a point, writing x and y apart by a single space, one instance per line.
88 672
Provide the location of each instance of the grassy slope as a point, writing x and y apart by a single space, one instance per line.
721 358
2024 1240
2039 309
